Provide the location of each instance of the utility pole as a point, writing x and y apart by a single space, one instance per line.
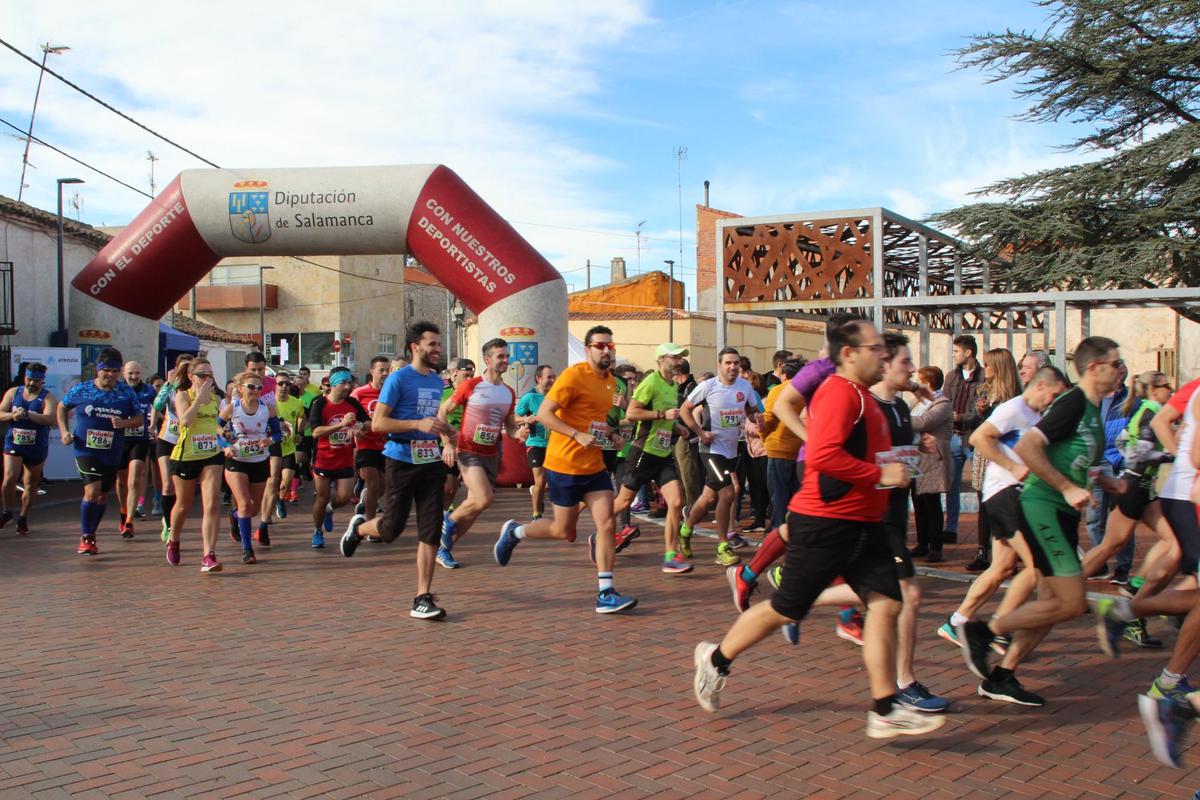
47 49
638 233
589 273
680 154
152 158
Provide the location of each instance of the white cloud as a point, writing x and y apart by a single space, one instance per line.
473 85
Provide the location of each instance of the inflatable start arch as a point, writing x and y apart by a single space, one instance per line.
425 211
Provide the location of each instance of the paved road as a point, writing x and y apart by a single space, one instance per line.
304 676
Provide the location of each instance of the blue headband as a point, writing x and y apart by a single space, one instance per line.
36 374
341 376
110 364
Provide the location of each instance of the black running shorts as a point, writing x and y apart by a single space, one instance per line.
1181 514
819 549
535 457
257 471
1140 494
643 467
190 470
369 459
718 470
1004 513
134 450
93 470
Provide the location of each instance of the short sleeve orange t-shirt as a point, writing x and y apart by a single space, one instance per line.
584 400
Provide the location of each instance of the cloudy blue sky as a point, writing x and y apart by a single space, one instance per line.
564 116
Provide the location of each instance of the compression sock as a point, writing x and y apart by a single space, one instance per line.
245 531
168 504
768 552
90 515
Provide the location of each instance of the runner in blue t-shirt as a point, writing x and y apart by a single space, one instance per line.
135 456
407 412
104 410
535 435
28 408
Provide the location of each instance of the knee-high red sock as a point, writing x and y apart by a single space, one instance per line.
768 552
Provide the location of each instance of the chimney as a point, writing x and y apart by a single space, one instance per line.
618 270
706 205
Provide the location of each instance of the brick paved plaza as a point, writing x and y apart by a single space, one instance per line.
304 676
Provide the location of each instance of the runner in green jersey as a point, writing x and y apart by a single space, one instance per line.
1060 452
654 409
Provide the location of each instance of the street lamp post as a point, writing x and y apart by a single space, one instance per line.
262 305
47 49
62 312
670 301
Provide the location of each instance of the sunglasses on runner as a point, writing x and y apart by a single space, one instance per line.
202 375
604 345
254 387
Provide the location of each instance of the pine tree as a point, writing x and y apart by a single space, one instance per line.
1130 71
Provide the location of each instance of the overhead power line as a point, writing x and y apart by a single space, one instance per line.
93 97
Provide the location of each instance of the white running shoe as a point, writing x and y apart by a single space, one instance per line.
902 722
708 683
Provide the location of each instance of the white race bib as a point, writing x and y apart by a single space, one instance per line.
662 439
599 432
425 452
730 417
204 442
24 436
340 438
249 449
99 439
486 435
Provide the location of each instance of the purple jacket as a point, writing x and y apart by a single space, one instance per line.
812 375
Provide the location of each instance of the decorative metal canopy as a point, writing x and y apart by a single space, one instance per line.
809 265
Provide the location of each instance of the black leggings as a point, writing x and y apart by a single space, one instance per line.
927 508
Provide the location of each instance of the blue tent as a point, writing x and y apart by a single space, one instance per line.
171 343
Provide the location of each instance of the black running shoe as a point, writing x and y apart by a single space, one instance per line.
1010 691
264 534
424 607
350 540
1139 634
976 638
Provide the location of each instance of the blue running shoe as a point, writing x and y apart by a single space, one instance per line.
918 698
503 549
318 540
791 632
610 602
328 520
448 527
446 559
281 509
1164 727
